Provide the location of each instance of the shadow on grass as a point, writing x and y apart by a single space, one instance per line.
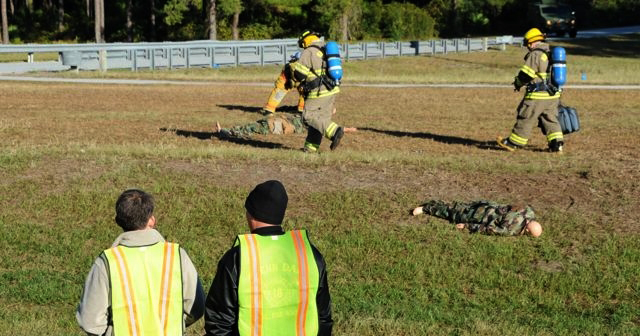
211 135
253 109
447 139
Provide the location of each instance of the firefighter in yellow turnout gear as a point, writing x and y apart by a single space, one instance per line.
319 93
283 85
539 105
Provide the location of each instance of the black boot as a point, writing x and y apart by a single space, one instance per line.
555 146
335 140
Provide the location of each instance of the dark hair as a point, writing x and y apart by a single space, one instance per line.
134 207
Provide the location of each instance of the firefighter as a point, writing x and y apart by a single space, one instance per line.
539 105
282 86
319 92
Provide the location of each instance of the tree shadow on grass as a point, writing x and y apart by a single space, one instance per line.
253 109
211 135
447 139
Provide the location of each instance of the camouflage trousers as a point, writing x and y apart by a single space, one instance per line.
483 216
278 124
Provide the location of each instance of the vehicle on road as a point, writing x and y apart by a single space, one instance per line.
553 17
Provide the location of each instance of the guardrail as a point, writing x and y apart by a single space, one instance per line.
176 55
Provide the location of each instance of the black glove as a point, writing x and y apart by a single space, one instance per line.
516 84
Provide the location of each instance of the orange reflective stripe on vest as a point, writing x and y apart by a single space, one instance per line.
128 295
254 274
165 294
303 281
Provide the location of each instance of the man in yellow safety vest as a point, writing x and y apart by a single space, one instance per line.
142 285
271 282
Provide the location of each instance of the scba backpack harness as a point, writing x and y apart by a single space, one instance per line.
557 70
332 65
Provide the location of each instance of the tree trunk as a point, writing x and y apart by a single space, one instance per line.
213 24
345 26
129 23
5 23
152 19
88 5
60 16
234 25
99 20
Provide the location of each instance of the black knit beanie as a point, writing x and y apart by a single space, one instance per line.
267 202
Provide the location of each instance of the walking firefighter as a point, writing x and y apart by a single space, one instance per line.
539 106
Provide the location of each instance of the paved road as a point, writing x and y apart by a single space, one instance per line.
375 85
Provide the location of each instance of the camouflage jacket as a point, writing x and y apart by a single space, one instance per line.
277 124
484 216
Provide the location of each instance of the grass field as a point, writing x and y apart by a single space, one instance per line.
68 151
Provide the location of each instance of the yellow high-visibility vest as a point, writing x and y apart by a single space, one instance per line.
277 286
146 289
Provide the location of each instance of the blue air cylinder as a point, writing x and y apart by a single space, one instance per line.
558 66
334 63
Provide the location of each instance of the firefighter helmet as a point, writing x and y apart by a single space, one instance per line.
532 35
307 38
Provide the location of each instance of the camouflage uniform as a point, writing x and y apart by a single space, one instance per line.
277 124
483 216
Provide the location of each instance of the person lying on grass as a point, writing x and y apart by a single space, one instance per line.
280 123
485 217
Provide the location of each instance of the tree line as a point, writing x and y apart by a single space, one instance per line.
44 21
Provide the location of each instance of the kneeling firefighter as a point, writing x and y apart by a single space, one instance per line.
319 91
539 105
282 86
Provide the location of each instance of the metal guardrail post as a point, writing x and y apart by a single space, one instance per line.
485 44
399 46
384 49
283 51
261 51
134 60
365 49
170 53
237 58
152 58
102 60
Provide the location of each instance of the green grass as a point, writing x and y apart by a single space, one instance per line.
68 151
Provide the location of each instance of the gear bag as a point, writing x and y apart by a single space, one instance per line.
568 119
